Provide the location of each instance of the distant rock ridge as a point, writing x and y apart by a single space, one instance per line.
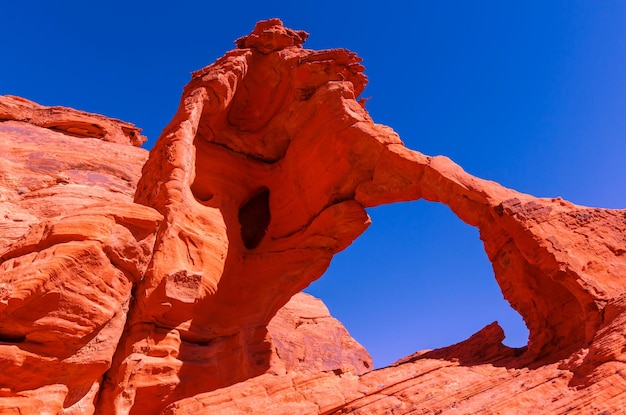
169 282
70 121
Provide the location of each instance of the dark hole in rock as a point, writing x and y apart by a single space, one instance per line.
254 218
12 338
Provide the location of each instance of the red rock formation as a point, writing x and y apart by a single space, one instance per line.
72 245
178 302
69 121
307 338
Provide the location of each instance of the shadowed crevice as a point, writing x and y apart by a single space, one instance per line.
12 338
254 218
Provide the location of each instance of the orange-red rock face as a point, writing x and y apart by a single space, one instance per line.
72 245
172 290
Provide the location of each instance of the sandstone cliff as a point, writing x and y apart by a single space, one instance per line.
173 287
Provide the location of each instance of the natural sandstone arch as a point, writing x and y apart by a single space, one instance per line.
271 115
183 283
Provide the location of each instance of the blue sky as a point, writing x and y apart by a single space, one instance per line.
530 94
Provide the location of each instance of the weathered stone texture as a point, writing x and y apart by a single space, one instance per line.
173 287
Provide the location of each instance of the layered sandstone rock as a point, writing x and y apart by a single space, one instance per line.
308 338
70 121
169 291
72 246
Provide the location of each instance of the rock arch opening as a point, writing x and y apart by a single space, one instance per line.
418 279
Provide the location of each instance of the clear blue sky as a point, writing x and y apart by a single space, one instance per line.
530 94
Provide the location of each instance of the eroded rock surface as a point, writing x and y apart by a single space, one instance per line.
172 290
72 246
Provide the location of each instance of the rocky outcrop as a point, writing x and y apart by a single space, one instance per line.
307 338
70 121
168 291
72 246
